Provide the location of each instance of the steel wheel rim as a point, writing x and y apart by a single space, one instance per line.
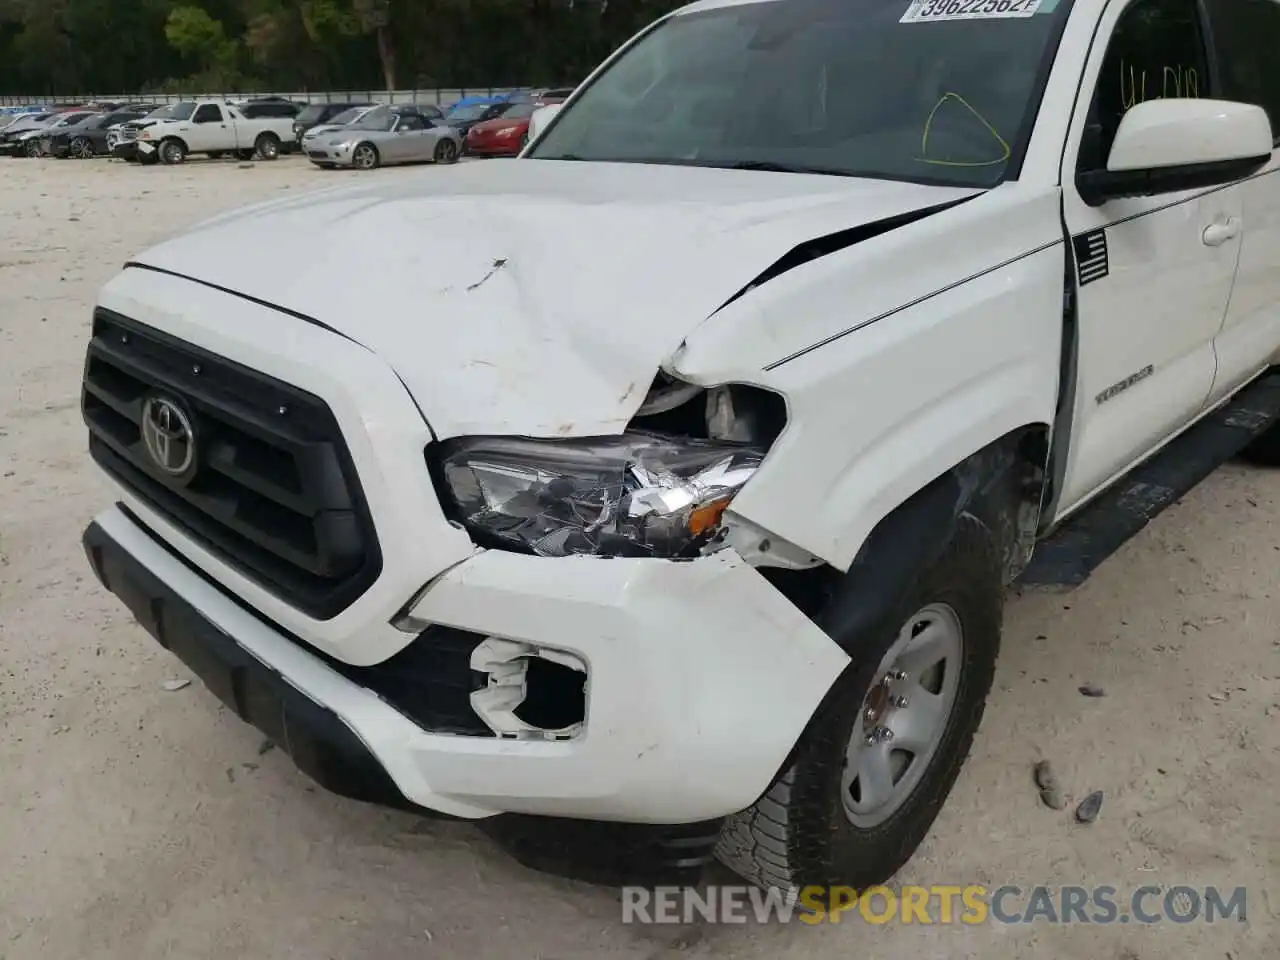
447 150
268 149
33 149
80 148
364 157
172 152
904 716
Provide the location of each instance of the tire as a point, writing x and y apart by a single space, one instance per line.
1264 451
267 146
446 151
81 148
801 832
31 149
173 151
366 157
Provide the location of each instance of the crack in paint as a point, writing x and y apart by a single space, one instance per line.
497 265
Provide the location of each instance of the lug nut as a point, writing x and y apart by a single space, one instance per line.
879 735
899 701
897 675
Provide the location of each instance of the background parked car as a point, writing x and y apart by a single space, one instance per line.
466 115
88 138
348 116
10 137
29 143
387 135
269 107
314 114
503 136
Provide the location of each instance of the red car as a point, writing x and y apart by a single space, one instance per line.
503 136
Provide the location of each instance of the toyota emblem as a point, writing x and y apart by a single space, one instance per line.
168 435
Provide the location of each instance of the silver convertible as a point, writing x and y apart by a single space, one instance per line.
386 135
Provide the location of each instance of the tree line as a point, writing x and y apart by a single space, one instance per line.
69 47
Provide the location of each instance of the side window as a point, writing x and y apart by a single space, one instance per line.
207 113
1246 37
1156 51
411 121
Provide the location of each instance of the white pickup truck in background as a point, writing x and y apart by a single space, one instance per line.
212 127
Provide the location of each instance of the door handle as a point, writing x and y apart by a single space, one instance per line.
1216 234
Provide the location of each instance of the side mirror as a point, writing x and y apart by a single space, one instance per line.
1165 146
541 118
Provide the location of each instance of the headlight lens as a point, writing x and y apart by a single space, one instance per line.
638 494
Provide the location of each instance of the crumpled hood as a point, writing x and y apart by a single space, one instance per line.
527 297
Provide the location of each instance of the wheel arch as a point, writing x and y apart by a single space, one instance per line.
1001 484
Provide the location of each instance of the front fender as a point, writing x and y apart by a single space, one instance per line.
879 414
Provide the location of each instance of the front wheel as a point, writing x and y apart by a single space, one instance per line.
267 146
365 157
882 752
173 152
31 149
81 148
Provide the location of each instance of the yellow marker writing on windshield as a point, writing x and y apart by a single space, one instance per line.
928 124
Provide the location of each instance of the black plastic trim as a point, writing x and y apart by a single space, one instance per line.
322 746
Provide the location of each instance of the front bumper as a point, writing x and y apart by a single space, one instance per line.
506 147
125 150
319 153
700 679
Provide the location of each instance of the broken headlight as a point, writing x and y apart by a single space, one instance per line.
642 495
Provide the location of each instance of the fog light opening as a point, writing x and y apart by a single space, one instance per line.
555 695
530 693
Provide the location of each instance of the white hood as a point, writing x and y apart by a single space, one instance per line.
528 297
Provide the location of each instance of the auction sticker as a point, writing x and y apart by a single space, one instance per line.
927 11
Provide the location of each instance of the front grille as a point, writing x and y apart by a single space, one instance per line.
317 154
129 133
272 490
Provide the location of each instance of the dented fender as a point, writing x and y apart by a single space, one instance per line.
898 359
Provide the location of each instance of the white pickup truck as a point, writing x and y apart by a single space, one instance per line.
212 127
655 495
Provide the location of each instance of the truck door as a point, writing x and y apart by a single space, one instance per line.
1153 280
209 130
1246 40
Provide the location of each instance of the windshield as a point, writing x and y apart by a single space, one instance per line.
472 111
379 118
346 116
312 114
905 90
521 111
174 111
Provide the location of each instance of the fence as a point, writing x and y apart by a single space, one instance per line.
439 97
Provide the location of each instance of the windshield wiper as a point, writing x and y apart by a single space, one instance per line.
772 166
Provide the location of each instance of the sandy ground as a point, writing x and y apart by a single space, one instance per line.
137 822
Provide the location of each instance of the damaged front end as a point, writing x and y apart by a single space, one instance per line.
663 488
